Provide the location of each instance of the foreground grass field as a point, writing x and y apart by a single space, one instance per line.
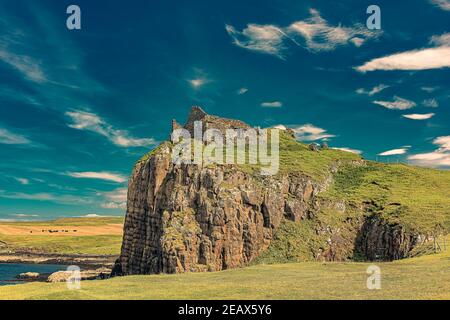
426 277
97 236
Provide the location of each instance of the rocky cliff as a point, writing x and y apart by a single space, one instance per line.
189 218
185 218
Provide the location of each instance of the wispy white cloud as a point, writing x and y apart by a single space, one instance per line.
7 137
441 40
348 150
431 103
26 196
197 83
357 41
419 59
59 187
272 104
52 69
320 36
114 205
50 62
309 132
314 33
263 38
429 89
397 104
91 122
443 143
22 215
437 158
43 196
93 215
117 195
26 65
23 181
108 176
418 116
116 199
242 91
393 152
443 4
373 91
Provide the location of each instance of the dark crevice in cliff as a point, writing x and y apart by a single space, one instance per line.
378 240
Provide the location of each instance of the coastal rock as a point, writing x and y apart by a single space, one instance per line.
189 218
63 276
378 240
28 275
194 218
185 218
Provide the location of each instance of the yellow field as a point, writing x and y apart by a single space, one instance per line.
64 236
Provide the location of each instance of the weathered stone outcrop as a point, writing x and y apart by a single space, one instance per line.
28 275
379 240
63 276
190 218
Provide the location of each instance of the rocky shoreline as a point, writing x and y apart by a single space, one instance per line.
92 266
81 260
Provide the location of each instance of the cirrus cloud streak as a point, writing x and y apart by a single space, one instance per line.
418 116
419 59
108 176
397 104
82 120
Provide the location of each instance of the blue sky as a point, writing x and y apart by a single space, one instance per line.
79 107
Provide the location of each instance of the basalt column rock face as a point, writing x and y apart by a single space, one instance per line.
183 218
188 218
378 240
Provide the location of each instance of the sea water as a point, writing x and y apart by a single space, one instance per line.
9 271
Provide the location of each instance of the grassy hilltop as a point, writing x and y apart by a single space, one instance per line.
417 197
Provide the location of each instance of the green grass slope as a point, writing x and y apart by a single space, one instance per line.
418 198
